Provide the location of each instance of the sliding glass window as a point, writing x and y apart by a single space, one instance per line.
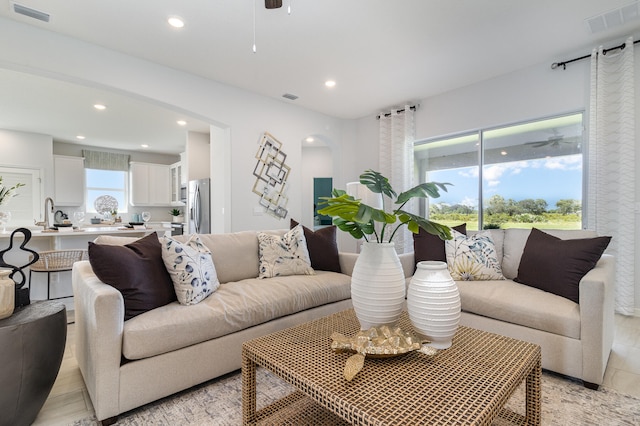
517 176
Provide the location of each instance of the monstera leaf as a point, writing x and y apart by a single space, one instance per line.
358 219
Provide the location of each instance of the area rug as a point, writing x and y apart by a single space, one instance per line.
218 402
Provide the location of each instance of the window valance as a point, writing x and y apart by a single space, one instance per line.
105 160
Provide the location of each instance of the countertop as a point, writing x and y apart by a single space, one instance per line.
88 230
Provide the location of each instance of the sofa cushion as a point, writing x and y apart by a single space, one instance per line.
235 255
473 257
322 246
233 307
556 265
427 246
520 304
284 255
191 269
137 271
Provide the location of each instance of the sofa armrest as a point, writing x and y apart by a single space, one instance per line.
597 289
347 262
99 323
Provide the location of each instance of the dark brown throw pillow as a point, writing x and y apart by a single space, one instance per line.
137 271
430 247
322 246
557 266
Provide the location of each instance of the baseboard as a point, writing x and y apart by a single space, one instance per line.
636 312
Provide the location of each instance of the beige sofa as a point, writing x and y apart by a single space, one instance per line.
171 348
126 364
576 339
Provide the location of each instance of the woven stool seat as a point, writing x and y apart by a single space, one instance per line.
55 261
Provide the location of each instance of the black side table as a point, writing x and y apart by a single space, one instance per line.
32 344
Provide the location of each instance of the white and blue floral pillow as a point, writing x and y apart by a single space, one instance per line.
473 258
286 255
191 268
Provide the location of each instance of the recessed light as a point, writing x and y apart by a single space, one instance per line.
503 152
330 83
144 145
80 137
181 122
175 21
309 139
100 107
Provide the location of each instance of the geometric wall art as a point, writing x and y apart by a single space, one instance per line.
271 174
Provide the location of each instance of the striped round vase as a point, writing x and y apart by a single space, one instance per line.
377 285
433 303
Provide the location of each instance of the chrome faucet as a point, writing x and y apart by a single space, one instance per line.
46 214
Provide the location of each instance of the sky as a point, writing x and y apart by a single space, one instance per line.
551 179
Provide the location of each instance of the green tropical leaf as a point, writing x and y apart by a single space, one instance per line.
424 190
377 183
415 222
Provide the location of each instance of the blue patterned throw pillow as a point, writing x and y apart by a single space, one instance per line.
473 258
191 268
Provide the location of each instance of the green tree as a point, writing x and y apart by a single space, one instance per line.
535 207
568 206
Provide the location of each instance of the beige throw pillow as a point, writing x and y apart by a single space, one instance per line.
286 255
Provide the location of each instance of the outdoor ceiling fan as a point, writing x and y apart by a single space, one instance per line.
553 141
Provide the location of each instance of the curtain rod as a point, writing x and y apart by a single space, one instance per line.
563 64
412 108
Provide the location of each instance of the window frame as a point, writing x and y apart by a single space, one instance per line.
479 135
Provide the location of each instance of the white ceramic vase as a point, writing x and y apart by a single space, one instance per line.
377 285
7 294
433 303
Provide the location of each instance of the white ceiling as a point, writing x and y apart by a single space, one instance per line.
381 53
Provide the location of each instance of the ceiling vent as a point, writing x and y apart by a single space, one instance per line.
31 13
290 96
613 18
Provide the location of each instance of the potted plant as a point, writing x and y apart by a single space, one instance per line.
377 283
177 216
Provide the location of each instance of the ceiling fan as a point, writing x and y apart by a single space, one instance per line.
553 141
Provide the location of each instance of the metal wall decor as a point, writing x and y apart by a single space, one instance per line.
271 174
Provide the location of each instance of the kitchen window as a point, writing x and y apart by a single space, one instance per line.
515 176
106 182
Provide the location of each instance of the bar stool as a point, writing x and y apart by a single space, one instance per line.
55 261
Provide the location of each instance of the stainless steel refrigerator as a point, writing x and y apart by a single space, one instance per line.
199 205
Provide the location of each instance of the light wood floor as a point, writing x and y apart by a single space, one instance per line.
69 400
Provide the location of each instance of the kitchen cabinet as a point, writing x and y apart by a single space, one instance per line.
176 182
150 184
68 180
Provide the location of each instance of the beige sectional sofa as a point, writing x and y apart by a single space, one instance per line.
126 364
576 339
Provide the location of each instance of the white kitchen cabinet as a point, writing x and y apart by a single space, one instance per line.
68 180
150 184
176 183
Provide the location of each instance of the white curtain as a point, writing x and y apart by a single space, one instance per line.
611 184
397 133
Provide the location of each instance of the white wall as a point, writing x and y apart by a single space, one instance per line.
245 115
317 162
30 151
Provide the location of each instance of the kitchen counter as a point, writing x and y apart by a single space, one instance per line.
88 230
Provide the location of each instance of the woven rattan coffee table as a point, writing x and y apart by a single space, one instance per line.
467 384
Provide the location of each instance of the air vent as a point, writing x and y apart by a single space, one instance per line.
31 13
613 18
290 96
